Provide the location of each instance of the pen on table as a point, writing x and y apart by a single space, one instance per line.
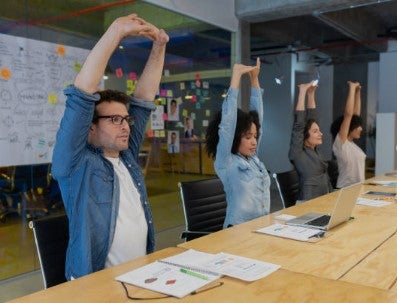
194 274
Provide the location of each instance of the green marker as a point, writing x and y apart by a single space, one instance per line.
194 274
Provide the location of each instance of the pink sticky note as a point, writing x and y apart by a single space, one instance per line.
165 117
119 72
132 76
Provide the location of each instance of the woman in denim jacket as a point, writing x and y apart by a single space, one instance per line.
232 139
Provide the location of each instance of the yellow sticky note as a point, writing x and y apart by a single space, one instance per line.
184 113
52 99
131 84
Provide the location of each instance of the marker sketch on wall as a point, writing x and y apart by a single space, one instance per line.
33 75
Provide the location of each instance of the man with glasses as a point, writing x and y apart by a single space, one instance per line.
96 153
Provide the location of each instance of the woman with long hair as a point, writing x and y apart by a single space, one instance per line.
232 139
304 154
345 129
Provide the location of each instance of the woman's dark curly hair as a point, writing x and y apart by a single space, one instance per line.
354 123
244 121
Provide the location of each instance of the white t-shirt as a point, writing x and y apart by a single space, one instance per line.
351 162
130 236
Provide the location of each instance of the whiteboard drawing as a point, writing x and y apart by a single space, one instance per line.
33 75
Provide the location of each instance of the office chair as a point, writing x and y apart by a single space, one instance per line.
204 207
333 172
51 235
288 186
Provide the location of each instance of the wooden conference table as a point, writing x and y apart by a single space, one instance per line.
362 251
355 262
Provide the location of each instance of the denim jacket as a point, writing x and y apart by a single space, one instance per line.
89 185
245 180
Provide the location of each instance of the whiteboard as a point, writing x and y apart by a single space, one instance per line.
33 75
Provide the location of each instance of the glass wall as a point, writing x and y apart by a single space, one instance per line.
42 48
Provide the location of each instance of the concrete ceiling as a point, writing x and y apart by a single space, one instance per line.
340 30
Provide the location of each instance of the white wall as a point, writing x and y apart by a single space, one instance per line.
386 140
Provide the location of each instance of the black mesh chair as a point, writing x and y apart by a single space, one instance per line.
204 206
51 235
288 186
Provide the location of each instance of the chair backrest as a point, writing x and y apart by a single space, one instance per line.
288 186
333 172
204 206
51 236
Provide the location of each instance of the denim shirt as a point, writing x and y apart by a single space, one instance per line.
89 185
245 180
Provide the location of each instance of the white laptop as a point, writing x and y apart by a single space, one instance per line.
344 204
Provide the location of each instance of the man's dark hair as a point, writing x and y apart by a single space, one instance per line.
244 121
110 95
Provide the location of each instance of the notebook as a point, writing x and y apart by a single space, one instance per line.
344 204
182 274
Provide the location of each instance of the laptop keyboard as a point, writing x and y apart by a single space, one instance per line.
320 221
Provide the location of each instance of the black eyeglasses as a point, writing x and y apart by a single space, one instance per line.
117 119
200 290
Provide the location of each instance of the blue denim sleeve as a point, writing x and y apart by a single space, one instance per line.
226 131
72 134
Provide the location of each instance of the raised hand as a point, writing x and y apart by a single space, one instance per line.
162 37
241 69
132 25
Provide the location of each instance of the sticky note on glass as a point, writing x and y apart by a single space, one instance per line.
205 123
184 113
150 133
119 72
182 85
130 86
132 76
